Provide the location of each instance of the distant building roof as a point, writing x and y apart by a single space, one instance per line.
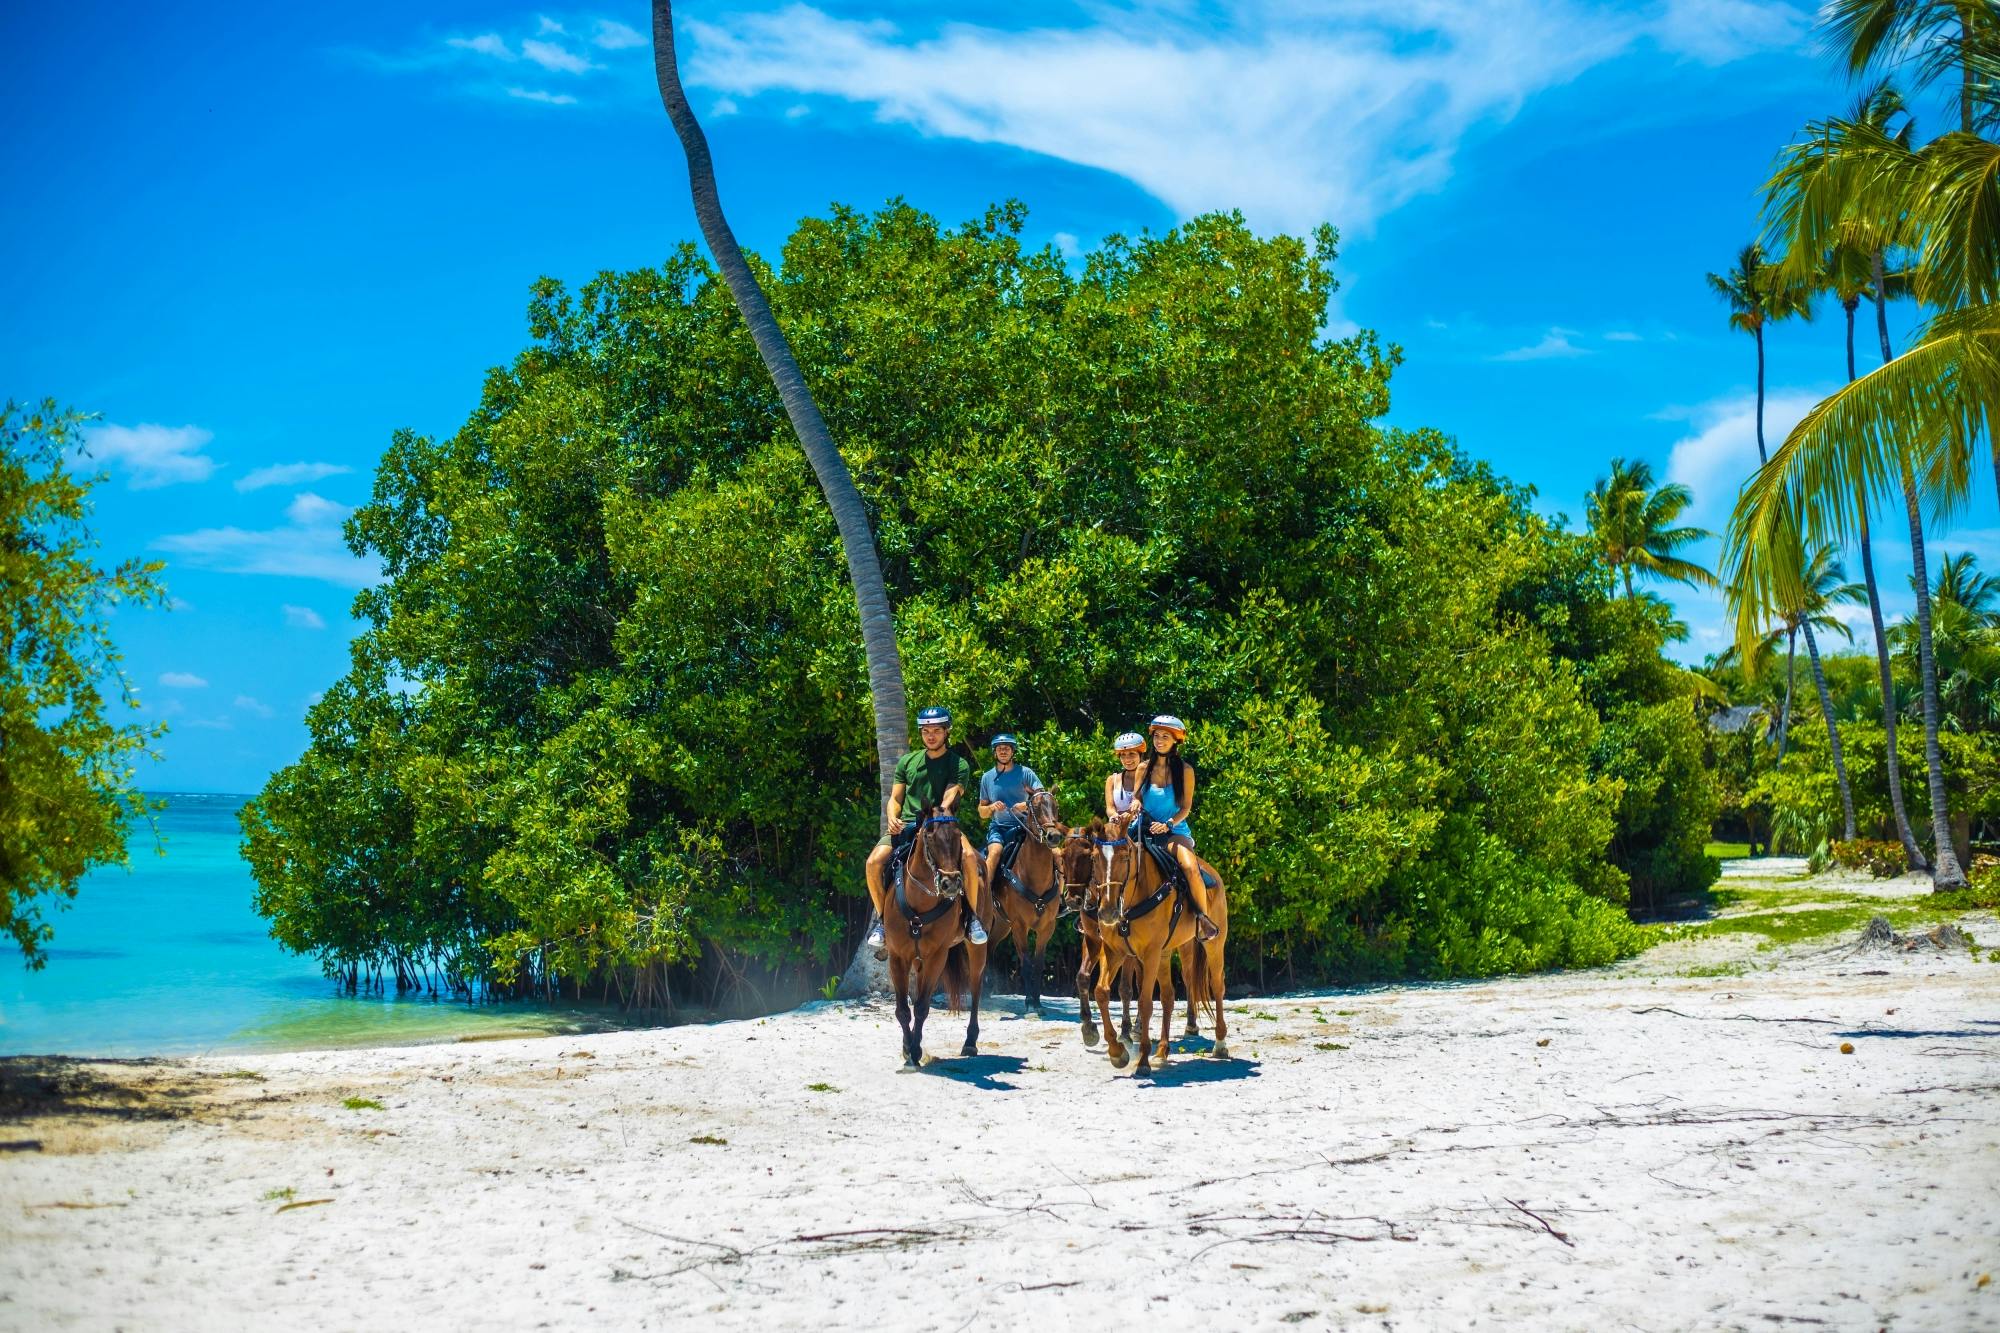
1729 721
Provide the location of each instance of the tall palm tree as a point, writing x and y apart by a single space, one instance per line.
857 539
1797 585
1944 38
1633 521
1908 426
1960 582
1846 270
1758 294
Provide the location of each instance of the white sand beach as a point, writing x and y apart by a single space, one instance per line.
1626 1148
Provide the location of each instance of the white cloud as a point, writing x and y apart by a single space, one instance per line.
1298 112
1067 246
547 26
250 705
485 44
724 106
288 474
1720 455
179 604
615 36
542 95
1622 336
303 617
308 546
182 680
151 455
1716 32
552 57
1554 344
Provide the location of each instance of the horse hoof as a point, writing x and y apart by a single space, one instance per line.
1090 1036
1119 1057
1221 1052
970 1048
1191 1031
1143 1071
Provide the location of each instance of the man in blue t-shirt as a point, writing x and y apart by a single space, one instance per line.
1003 799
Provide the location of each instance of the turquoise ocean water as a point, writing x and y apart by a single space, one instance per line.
169 958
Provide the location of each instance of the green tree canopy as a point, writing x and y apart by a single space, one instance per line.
66 766
610 712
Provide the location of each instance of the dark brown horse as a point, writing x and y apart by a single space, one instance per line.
1027 896
1143 920
923 923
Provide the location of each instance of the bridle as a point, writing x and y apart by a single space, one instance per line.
1074 891
1047 831
947 884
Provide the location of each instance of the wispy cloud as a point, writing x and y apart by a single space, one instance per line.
288 474
541 95
1297 111
1554 344
551 56
256 706
1622 336
1720 453
612 35
308 545
150 455
182 680
303 617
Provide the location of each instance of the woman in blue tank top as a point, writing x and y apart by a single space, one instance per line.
1166 796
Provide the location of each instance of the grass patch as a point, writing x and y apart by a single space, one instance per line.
1269 1018
711 1140
821 1087
1780 928
1728 851
1329 1045
245 1073
361 1104
1714 970
1985 895
285 1195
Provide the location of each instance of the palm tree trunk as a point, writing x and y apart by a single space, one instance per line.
1762 457
1832 736
857 540
1785 713
1628 582
1912 853
1945 870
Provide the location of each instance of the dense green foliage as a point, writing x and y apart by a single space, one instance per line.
609 723
66 767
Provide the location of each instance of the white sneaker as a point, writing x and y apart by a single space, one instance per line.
876 941
974 931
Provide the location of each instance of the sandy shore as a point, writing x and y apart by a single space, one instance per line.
1627 1148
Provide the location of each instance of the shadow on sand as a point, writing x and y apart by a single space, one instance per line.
977 1071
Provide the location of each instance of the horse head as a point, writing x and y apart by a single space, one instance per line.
1043 820
938 852
1113 861
1075 858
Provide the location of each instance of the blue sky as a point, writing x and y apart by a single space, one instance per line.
258 239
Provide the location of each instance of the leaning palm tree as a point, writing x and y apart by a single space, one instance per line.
1633 522
1792 587
857 540
1759 294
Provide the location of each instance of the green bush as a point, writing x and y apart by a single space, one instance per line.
1884 860
609 717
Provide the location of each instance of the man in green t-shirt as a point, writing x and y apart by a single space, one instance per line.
932 777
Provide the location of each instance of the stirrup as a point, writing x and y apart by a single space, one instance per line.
1205 929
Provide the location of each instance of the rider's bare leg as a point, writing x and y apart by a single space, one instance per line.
1191 869
876 873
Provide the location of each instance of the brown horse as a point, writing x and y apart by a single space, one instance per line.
1078 864
1145 919
923 923
1028 897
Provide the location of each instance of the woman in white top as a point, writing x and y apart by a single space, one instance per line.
1121 790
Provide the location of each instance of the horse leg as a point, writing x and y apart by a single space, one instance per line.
927 979
899 981
1105 976
1086 972
975 967
1214 960
1127 980
1041 961
1148 979
1166 1009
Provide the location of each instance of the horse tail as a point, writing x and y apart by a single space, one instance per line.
957 978
1200 984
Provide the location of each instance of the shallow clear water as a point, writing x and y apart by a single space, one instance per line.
169 958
